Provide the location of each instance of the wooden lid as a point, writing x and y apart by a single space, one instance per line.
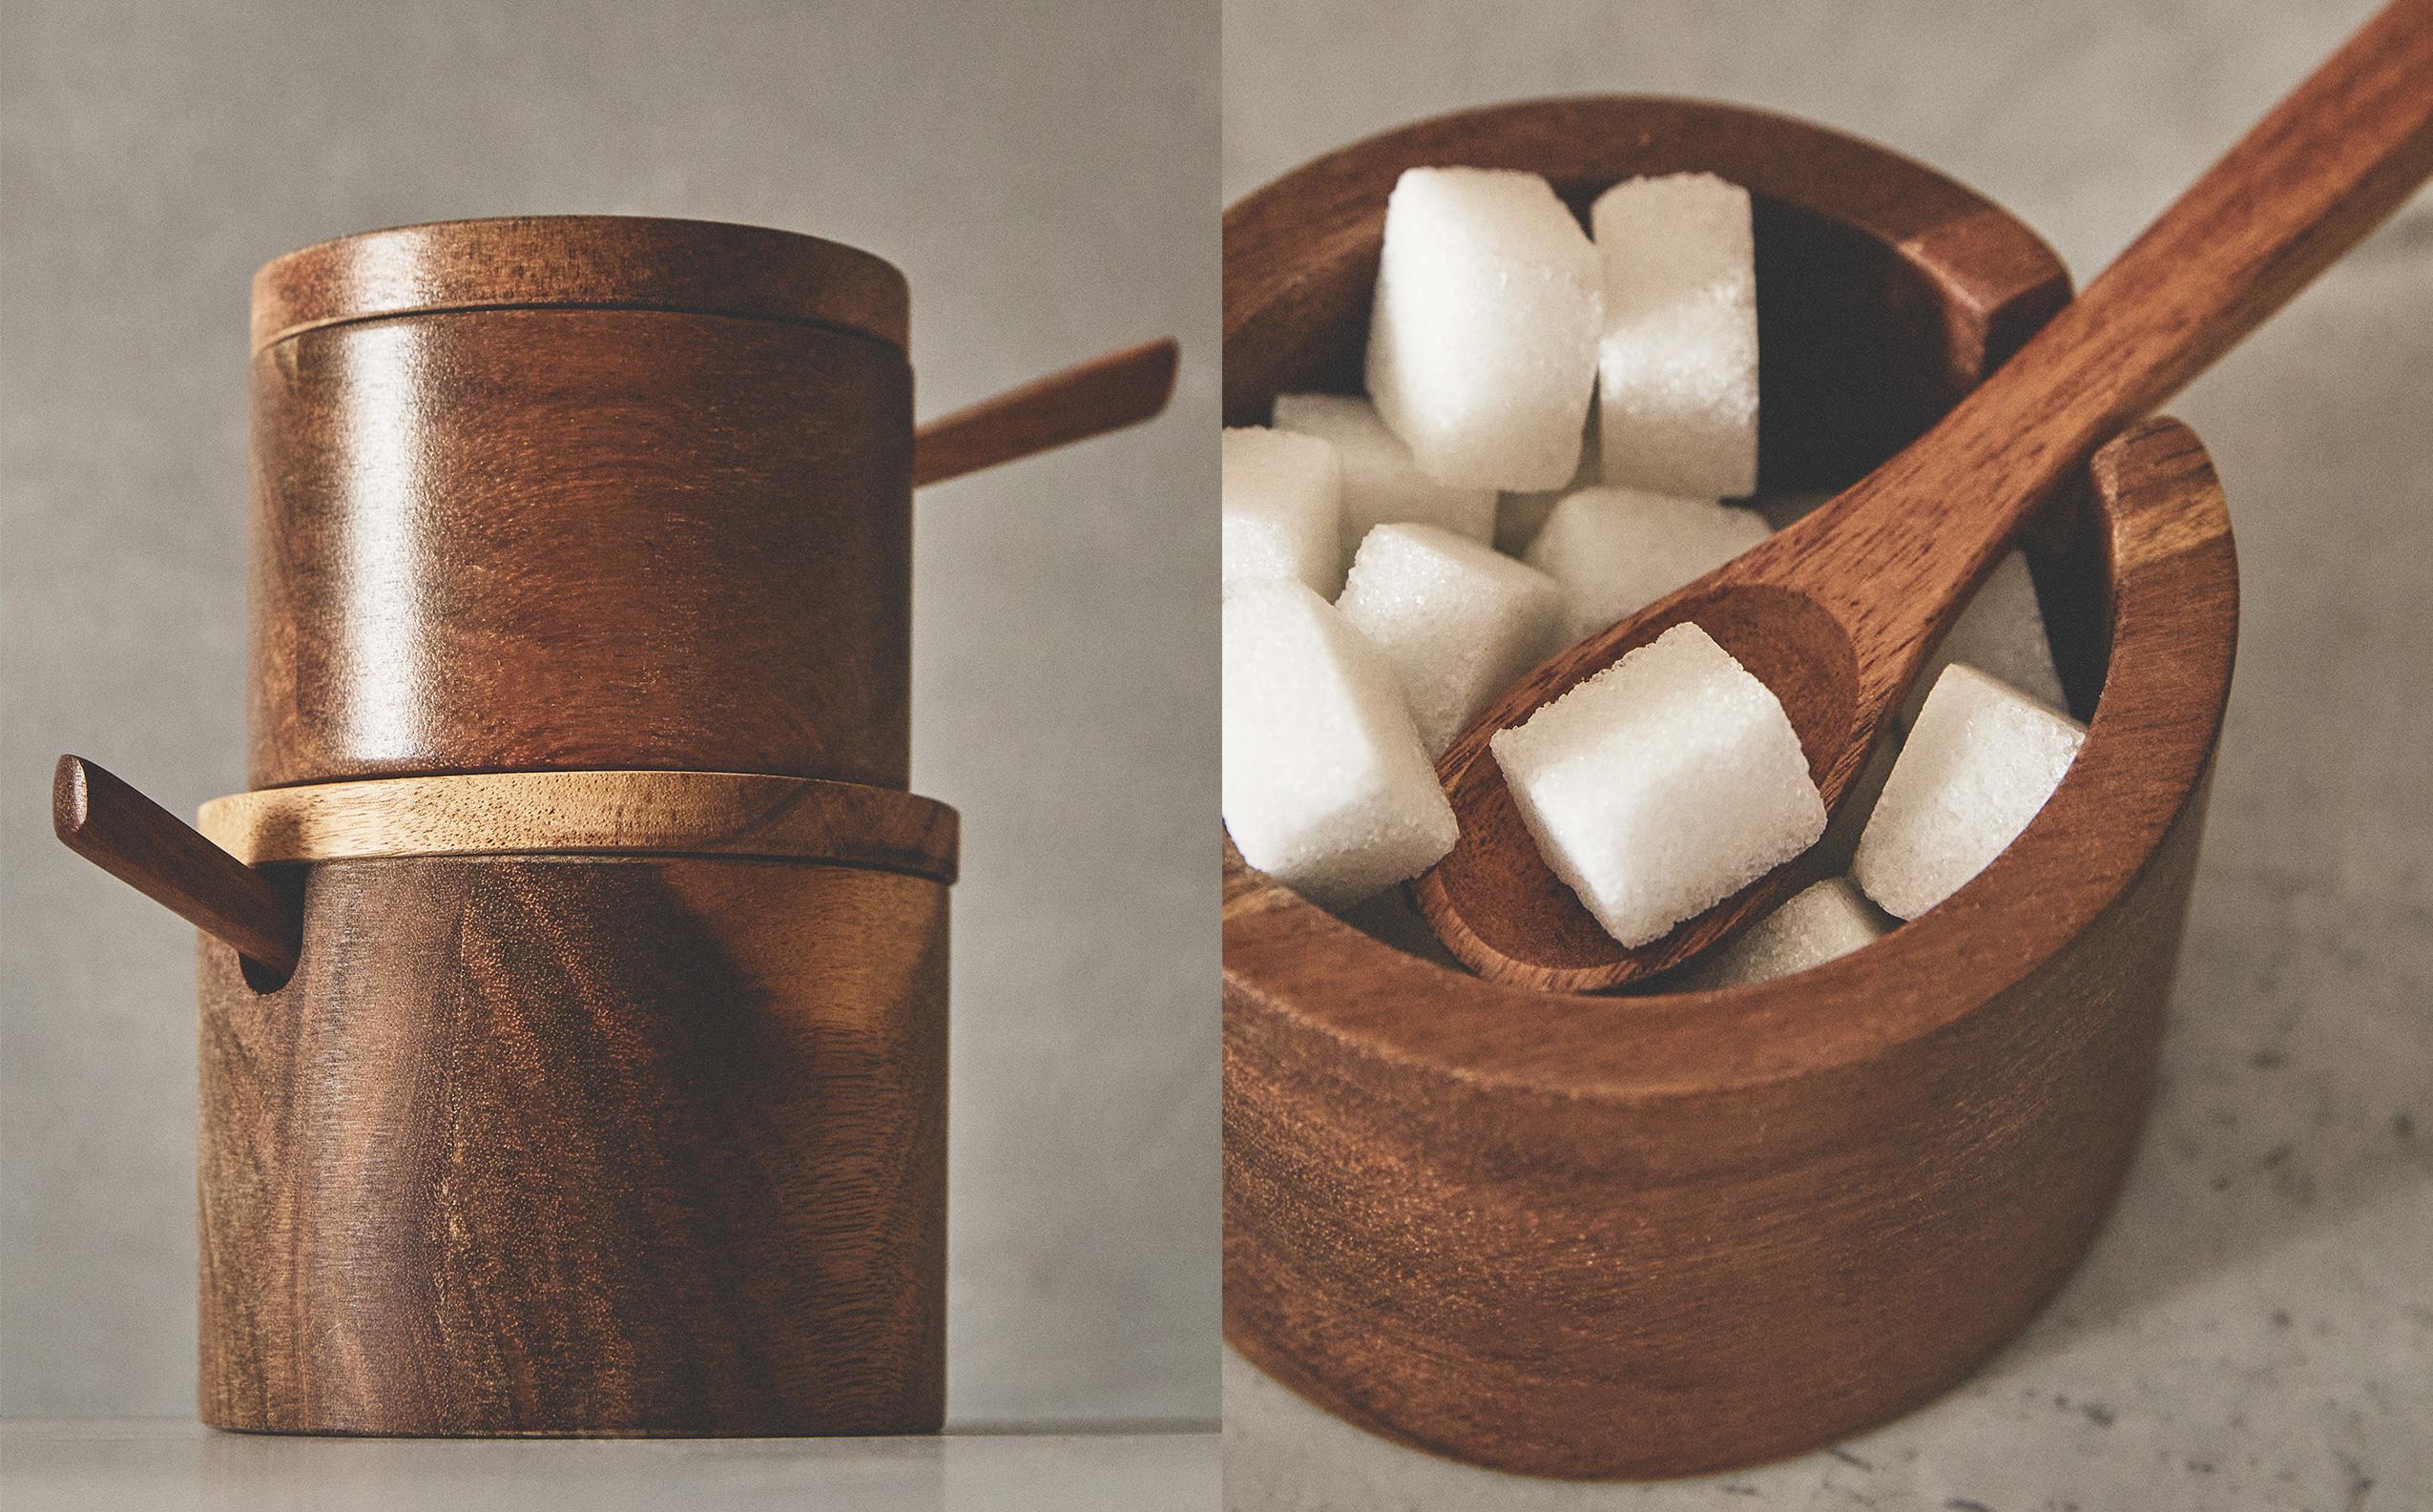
741 815
580 263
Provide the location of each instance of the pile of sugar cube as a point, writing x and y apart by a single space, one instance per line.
1554 428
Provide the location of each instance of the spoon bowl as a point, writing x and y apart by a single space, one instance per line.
1494 902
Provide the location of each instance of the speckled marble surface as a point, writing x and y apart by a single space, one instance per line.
2254 1327
138 1465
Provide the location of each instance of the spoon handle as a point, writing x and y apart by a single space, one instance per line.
142 844
2325 167
1089 398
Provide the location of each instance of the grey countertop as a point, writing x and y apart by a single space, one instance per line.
152 1466
2254 1327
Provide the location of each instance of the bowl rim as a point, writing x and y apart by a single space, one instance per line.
2171 572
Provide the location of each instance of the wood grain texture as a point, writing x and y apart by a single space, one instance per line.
580 1146
703 267
1638 1237
506 813
1089 398
1837 613
1596 1235
101 818
525 539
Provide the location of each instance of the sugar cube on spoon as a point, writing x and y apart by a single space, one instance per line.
1662 785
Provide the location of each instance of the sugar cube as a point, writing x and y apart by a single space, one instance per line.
1282 510
1456 620
1818 923
1617 550
2001 633
1520 516
1382 485
1982 760
1677 364
1482 339
1662 785
1324 785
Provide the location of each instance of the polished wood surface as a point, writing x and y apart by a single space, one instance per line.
631 262
1089 398
577 538
101 818
1837 613
555 1146
1598 1235
1639 1237
564 813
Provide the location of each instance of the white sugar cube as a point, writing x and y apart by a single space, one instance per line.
1325 785
1816 925
1382 485
1283 511
1662 785
1520 516
1482 339
1617 550
1980 763
2001 633
1677 366
1456 620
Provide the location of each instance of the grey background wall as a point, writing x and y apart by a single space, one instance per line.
1045 173
2252 1329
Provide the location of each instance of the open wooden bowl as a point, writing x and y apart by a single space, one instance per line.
1651 1236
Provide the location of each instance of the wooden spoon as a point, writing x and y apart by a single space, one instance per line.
1837 613
1090 398
142 844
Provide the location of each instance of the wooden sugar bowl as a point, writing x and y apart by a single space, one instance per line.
600 1102
1656 1234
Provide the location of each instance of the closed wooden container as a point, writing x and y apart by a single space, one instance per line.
1655 1234
611 1106
580 491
